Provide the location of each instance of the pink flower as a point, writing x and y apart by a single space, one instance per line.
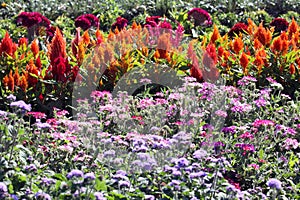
86 21
254 166
246 135
259 122
29 19
290 143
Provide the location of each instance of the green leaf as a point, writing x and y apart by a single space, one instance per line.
100 185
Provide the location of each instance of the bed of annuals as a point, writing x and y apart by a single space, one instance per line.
94 115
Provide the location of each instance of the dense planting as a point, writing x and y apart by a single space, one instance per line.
175 106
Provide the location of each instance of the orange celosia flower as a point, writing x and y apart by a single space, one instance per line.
81 52
259 62
16 76
244 61
215 35
99 36
32 70
57 48
23 84
276 46
257 44
86 38
285 47
9 82
292 69
111 35
34 47
293 28
238 45
251 27
263 35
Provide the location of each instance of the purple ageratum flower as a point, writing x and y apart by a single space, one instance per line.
200 17
121 172
124 184
11 97
89 176
280 24
3 188
29 19
182 162
149 197
200 174
75 173
21 104
3 113
42 195
47 181
274 183
14 197
199 154
30 168
120 23
99 196
86 21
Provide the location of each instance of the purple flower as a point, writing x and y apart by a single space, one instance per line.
246 80
174 183
124 183
259 122
75 173
280 24
3 188
3 113
21 104
199 154
42 195
41 125
229 129
89 176
30 168
99 196
14 197
120 23
11 97
182 162
149 197
200 17
121 172
48 181
274 183
200 174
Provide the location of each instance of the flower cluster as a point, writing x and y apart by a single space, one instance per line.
86 21
29 19
120 23
200 17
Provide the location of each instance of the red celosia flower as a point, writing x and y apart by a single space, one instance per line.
50 31
280 24
200 17
57 48
23 41
29 19
7 46
165 25
86 21
238 28
120 23
155 19
210 59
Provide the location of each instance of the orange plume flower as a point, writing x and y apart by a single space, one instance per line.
276 46
293 28
32 72
244 61
57 48
16 77
263 35
23 84
238 45
34 47
99 36
292 69
86 38
215 35
257 44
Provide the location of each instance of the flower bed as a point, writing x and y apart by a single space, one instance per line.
145 111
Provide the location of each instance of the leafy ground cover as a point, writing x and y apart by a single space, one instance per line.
178 106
